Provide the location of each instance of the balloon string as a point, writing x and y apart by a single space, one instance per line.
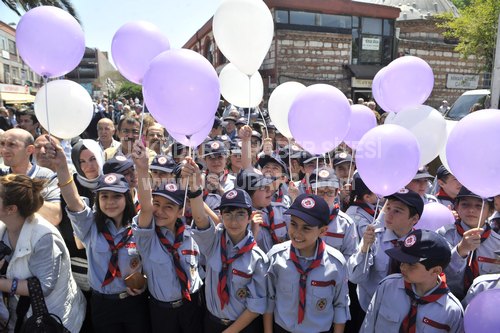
45 82
264 121
142 119
317 167
373 220
249 98
290 159
478 226
187 186
350 167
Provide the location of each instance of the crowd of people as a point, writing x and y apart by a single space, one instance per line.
130 231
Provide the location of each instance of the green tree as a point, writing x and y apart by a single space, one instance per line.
130 90
460 4
475 29
17 5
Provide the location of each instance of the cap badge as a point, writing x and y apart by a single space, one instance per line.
121 158
162 160
403 191
215 145
110 179
171 187
410 240
321 304
324 173
308 203
240 144
343 155
231 194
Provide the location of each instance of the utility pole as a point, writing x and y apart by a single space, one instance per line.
495 77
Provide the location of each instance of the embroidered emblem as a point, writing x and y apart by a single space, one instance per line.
110 179
308 203
321 304
410 240
231 194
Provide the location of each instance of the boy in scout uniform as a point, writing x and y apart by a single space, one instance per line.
162 170
482 283
307 278
418 299
235 284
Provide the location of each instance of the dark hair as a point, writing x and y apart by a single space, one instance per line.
27 113
430 263
23 192
128 213
128 120
489 203
233 208
413 210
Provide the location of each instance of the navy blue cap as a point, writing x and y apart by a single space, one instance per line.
226 118
422 173
171 192
310 208
326 178
235 198
217 122
442 172
409 198
465 192
117 164
307 157
292 150
163 163
358 185
342 157
271 125
214 148
114 182
251 181
236 146
421 245
240 121
257 135
263 160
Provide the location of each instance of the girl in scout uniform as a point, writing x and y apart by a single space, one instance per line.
235 284
111 249
307 278
473 248
170 255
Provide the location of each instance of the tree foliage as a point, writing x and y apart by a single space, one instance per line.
129 90
17 5
460 4
475 29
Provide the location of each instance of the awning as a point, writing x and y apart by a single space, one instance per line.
364 71
14 98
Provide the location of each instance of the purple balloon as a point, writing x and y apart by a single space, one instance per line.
377 93
469 152
406 82
50 41
181 90
319 118
387 158
194 140
133 47
481 315
435 216
362 120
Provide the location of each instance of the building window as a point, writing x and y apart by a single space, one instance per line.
372 41
12 47
6 73
15 73
302 18
282 16
335 21
209 50
371 26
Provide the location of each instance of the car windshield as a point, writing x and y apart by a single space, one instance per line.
463 105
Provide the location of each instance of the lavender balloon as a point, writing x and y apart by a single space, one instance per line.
435 216
50 41
376 91
481 315
319 118
469 152
181 90
195 139
387 158
406 82
362 120
133 47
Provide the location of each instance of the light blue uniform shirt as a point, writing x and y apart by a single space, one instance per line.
158 263
481 283
264 238
342 235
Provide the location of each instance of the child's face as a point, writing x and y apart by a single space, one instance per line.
235 223
418 185
328 193
262 197
450 185
165 211
161 178
112 204
216 164
397 217
304 236
272 169
236 161
417 273
469 211
342 170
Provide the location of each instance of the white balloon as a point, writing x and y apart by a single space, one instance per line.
390 118
70 108
450 125
428 126
234 87
280 102
243 31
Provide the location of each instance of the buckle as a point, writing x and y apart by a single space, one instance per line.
226 322
123 295
177 304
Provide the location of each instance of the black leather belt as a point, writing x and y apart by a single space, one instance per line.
225 322
119 296
169 305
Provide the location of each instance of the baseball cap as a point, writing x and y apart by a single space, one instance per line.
359 186
163 163
217 122
226 118
310 208
307 157
241 121
251 181
263 160
465 192
117 164
293 150
442 172
422 173
326 178
114 182
409 198
342 158
214 148
170 192
256 134
421 245
235 198
235 147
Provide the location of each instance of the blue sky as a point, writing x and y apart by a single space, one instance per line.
178 19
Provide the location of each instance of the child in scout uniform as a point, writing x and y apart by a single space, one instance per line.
482 283
341 233
309 163
470 241
420 184
217 177
449 187
273 166
418 299
234 163
162 170
235 283
344 166
307 278
118 301
170 254
402 211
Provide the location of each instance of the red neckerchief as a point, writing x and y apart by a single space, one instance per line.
279 197
333 214
303 275
472 270
364 206
307 188
222 288
442 195
409 324
172 249
113 268
272 226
